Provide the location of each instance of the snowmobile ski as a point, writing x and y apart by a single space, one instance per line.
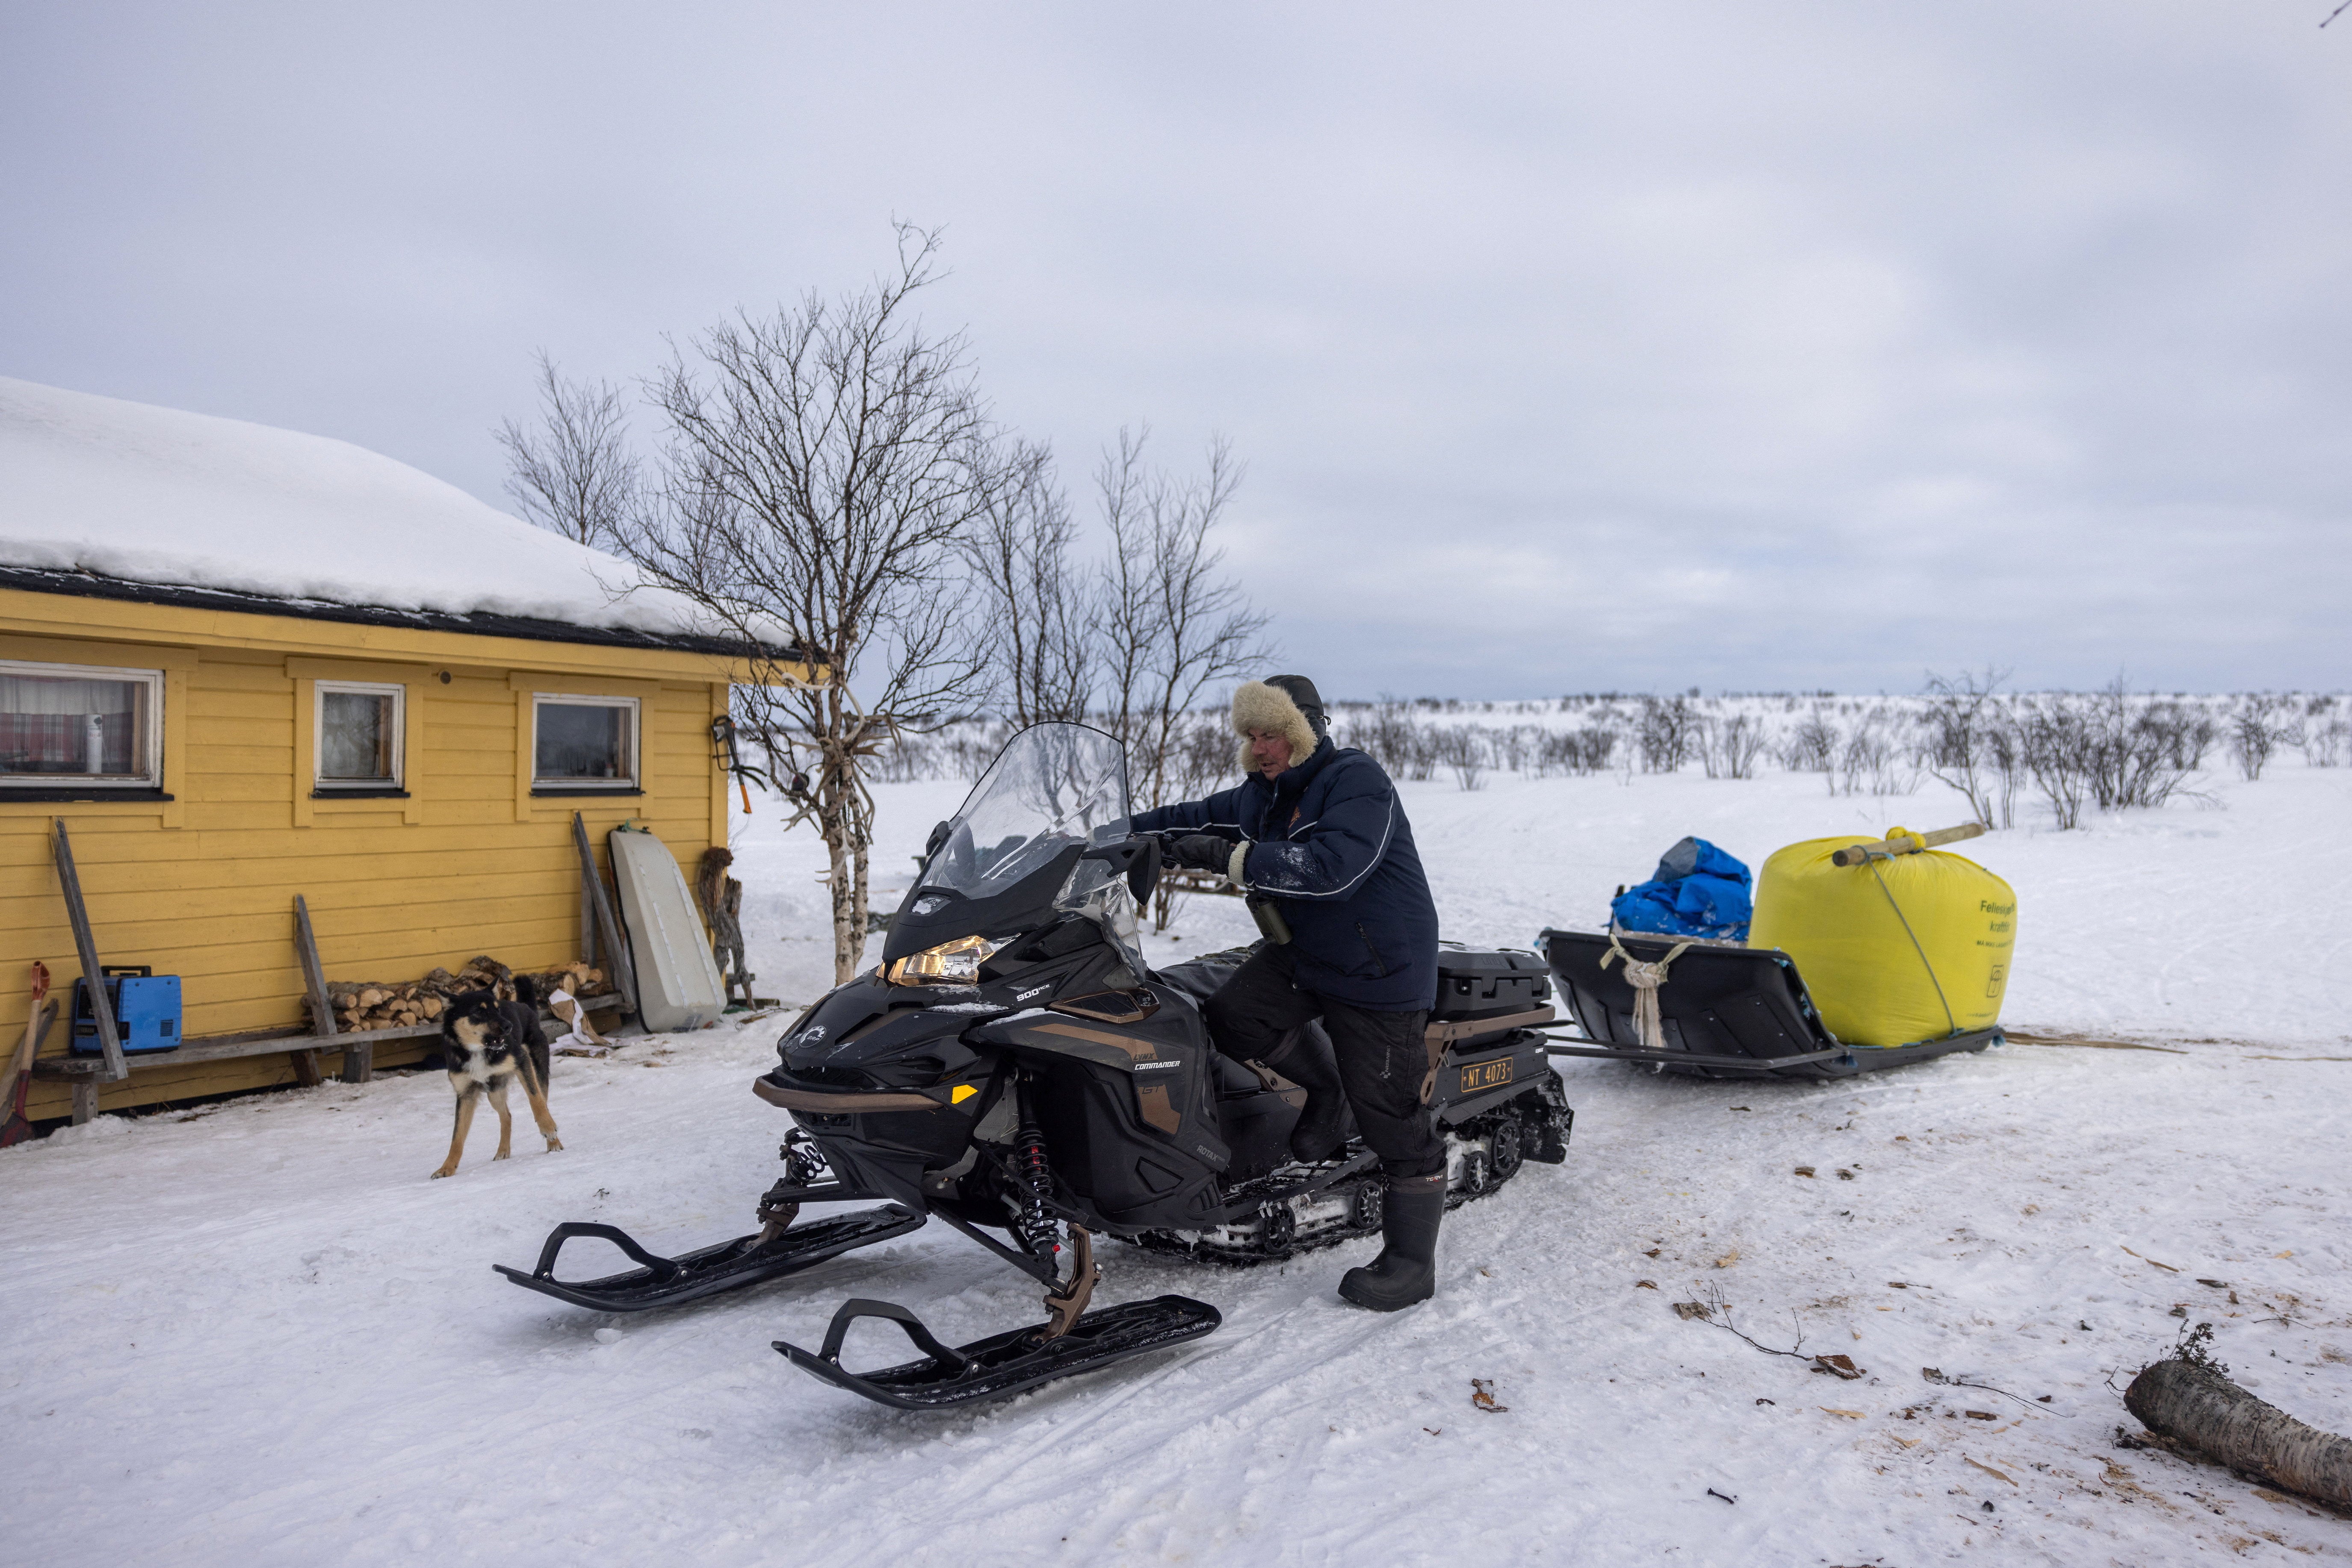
1001 1365
728 1266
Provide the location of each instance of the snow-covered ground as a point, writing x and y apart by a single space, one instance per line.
257 1333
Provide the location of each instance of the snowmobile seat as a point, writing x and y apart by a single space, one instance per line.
1725 1010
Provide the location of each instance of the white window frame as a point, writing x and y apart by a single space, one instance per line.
153 678
399 695
633 783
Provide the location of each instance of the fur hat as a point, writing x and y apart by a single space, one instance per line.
1286 702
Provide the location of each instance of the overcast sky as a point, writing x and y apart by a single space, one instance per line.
1570 347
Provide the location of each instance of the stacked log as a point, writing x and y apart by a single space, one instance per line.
393 1004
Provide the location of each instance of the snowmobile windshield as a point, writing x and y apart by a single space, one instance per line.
1052 786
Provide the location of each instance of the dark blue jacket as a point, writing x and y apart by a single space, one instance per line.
1331 846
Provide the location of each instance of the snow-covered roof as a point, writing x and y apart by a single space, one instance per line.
158 496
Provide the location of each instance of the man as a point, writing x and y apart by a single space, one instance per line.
1315 833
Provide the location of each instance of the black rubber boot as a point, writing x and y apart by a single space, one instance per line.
1322 1121
1406 1269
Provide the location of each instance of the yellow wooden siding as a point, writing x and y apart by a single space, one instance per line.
203 887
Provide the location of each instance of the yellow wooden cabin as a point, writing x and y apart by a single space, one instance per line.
241 665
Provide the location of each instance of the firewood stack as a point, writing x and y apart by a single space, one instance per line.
393 1004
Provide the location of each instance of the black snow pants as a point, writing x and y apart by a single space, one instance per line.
1381 1057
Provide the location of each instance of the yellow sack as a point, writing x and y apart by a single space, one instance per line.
1875 982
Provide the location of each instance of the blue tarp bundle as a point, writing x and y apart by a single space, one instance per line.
1699 890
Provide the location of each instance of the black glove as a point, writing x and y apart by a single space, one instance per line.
1201 852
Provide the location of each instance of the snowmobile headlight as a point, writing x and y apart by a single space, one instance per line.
953 962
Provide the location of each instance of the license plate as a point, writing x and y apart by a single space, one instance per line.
1485 1075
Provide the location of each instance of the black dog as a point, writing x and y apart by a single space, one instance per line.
486 1044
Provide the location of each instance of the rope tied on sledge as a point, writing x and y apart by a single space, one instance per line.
1645 979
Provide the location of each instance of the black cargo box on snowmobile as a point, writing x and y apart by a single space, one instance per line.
1503 986
1725 1011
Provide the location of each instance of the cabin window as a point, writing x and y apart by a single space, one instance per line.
81 726
359 731
582 744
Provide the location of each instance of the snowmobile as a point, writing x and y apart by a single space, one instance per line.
1014 1070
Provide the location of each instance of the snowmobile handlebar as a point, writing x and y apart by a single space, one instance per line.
1138 858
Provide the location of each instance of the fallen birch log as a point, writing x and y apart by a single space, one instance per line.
2199 1411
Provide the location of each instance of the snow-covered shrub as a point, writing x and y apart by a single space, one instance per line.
2325 741
2056 749
2004 758
2193 737
1463 749
1874 760
2139 751
1812 747
1730 746
1667 733
1962 711
1572 751
2108 749
1390 736
2261 724
1514 747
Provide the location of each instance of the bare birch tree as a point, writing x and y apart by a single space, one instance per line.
575 473
827 464
1038 611
1131 619
1174 623
1963 710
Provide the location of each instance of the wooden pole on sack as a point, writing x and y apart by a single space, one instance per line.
86 947
1908 844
